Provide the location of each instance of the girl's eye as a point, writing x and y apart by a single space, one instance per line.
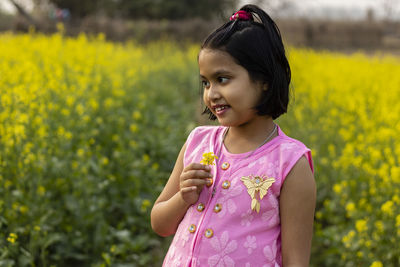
222 79
205 84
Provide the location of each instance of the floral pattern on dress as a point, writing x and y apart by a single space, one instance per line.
250 244
176 262
226 199
273 168
273 202
171 253
261 161
288 146
270 252
271 216
184 237
223 247
247 217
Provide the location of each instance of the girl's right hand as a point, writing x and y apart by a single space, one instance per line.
192 181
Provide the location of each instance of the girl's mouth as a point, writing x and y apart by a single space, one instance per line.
219 110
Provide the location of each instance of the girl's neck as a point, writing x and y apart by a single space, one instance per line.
245 138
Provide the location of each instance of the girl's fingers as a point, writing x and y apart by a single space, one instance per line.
188 189
193 182
196 166
193 174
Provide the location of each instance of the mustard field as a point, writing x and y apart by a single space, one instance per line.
90 130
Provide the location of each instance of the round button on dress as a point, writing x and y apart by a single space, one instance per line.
217 208
209 233
226 184
225 166
200 207
192 228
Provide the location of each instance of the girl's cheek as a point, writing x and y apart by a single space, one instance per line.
205 98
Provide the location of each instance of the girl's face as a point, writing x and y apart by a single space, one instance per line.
228 91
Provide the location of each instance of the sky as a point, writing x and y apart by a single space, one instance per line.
332 9
336 9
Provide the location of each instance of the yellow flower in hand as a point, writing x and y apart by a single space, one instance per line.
208 158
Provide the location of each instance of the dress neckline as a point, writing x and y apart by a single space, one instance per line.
224 151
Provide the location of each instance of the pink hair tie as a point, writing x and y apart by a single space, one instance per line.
242 15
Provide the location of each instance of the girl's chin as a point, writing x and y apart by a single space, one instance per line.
224 122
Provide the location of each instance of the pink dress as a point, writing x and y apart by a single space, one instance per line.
222 228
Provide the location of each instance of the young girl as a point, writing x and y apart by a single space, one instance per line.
243 193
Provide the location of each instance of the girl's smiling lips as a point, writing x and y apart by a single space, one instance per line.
219 109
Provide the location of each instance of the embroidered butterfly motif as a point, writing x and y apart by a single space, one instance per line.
257 184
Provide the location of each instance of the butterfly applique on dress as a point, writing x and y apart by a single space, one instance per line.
257 184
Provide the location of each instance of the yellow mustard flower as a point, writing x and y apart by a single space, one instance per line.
348 239
12 238
134 128
337 188
23 209
379 226
145 205
396 199
7 183
136 115
146 158
387 208
350 208
104 161
41 190
398 220
155 166
376 264
361 226
208 158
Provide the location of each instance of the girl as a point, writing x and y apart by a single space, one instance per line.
243 193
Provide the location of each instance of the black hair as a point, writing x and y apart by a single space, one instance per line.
256 45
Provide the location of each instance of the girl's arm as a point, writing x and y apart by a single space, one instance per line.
297 206
182 190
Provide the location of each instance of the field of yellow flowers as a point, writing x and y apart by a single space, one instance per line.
89 131
347 109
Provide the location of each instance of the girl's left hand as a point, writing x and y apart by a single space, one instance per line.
192 181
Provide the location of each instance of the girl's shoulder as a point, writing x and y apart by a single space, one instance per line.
206 129
292 150
200 140
200 132
289 143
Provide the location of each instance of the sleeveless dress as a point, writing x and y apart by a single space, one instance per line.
224 228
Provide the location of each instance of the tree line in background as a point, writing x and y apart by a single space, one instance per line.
189 21
140 9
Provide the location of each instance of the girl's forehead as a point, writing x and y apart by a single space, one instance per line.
210 59
208 53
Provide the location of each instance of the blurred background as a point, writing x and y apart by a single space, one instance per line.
344 25
97 98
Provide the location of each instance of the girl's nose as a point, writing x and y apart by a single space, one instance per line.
213 93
